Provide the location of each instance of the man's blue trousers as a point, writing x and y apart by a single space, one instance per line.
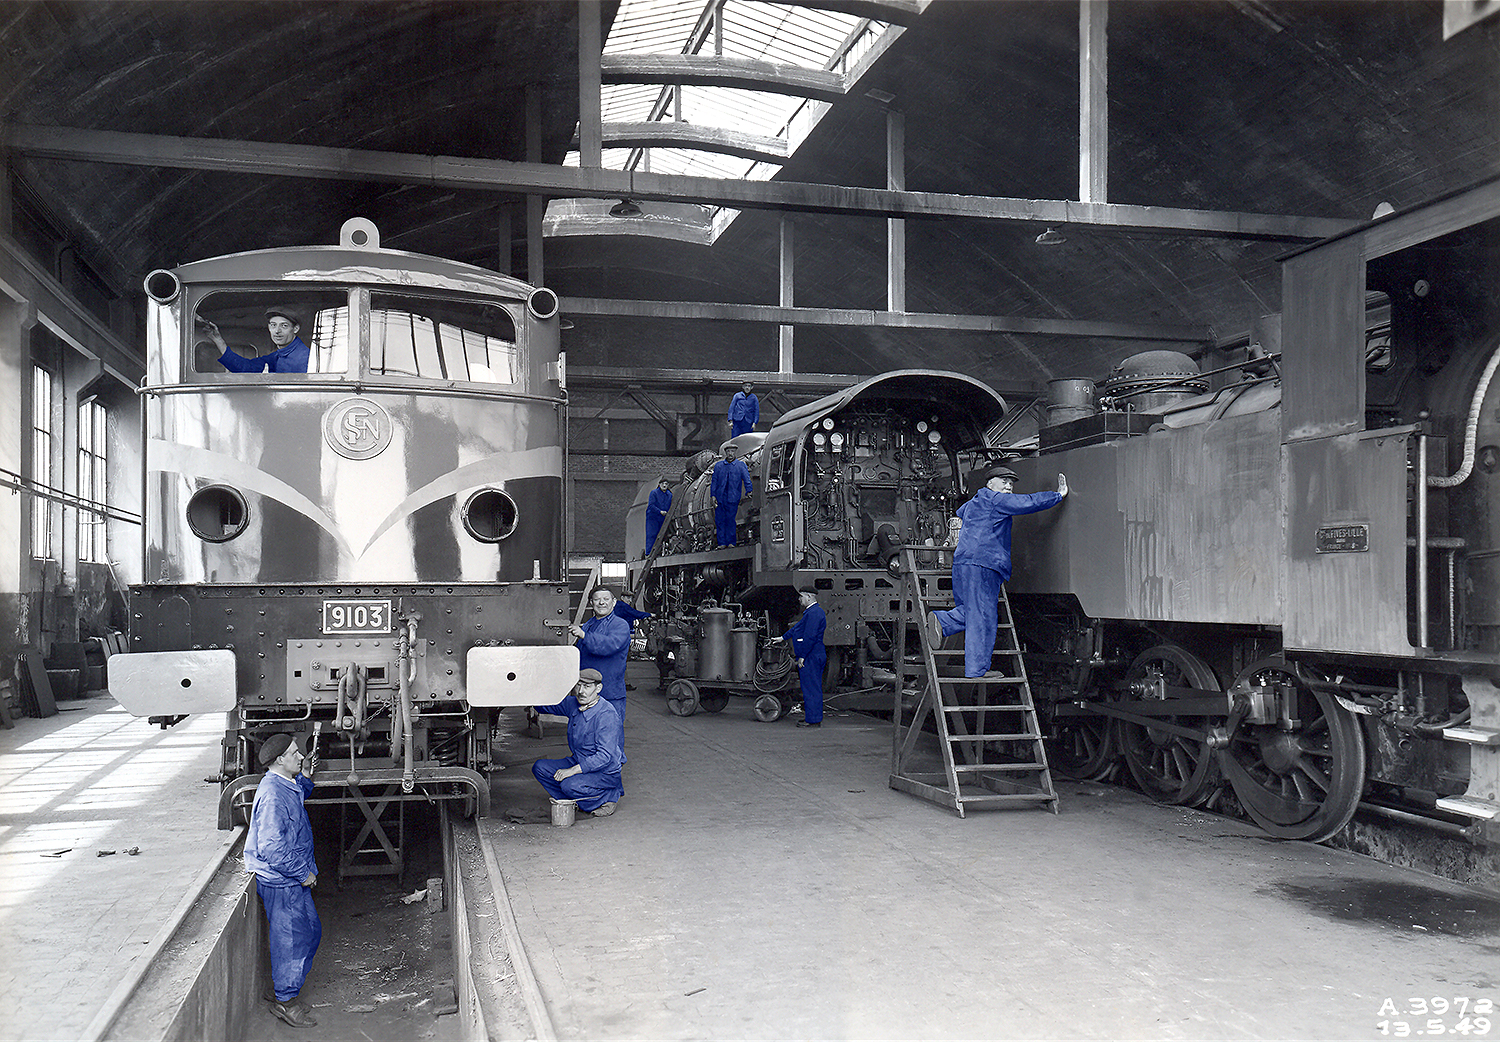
975 614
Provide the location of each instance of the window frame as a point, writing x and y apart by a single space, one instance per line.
43 383
93 481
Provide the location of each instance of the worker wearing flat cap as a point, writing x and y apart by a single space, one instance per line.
289 354
279 851
981 564
596 743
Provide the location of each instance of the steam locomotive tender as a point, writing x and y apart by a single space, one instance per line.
840 485
1282 579
369 555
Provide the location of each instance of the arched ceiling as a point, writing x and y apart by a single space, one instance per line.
1302 108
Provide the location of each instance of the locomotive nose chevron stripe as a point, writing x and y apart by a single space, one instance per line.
189 461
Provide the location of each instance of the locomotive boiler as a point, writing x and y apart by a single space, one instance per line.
840 485
368 554
1278 579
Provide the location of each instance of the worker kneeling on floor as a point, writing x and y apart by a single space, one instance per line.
596 739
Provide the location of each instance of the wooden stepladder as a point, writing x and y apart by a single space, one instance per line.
990 751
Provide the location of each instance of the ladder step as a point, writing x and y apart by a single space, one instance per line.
1472 735
981 680
995 737
1010 797
976 768
991 708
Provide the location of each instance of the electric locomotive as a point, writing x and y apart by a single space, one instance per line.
840 484
1279 582
367 555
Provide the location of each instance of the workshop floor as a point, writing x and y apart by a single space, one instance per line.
763 881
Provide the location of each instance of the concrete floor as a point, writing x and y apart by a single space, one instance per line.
763 881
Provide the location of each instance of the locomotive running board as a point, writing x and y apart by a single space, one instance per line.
239 794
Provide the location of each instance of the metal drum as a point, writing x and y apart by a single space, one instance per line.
684 659
742 641
1069 400
713 651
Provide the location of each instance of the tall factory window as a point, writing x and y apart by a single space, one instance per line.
437 339
41 461
92 460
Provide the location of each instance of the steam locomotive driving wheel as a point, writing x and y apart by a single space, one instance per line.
1299 770
1170 768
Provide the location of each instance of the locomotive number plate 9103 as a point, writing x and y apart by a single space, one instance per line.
356 616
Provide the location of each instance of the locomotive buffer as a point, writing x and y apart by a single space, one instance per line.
988 736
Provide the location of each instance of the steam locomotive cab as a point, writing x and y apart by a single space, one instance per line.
368 553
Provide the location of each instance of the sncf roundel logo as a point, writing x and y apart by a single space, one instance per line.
357 428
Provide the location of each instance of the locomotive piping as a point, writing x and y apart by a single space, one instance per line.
1471 429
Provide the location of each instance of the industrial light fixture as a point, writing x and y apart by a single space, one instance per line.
1051 238
625 208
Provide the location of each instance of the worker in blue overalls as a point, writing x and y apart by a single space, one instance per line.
729 484
279 852
657 505
590 773
744 411
806 640
981 564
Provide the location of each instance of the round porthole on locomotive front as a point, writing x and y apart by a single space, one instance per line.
217 513
490 515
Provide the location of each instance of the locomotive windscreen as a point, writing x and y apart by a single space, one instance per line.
442 339
322 318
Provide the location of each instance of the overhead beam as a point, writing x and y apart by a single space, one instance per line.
667 134
892 12
716 381
23 281
745 73
795 316
459 172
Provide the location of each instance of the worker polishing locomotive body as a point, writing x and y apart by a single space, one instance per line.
838 485
373 546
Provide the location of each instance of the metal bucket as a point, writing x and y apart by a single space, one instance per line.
713 652
563 812
742 641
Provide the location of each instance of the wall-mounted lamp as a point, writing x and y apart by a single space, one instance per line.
625 208
1051 238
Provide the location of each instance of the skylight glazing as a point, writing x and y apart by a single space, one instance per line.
781 34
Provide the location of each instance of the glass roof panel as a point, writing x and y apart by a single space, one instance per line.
782 34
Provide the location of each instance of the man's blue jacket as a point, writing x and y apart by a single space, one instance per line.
289 359
596 735
603 646
984 539
731 477
279 842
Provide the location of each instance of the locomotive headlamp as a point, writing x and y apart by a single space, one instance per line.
217 513
490 515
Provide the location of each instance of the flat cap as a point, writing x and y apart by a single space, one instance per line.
999 470
592 675
286 313
274 748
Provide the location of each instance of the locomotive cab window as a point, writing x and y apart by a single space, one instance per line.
433 338
273 332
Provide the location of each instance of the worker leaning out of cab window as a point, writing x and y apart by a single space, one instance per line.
289 354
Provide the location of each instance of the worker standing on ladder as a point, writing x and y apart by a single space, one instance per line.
981 564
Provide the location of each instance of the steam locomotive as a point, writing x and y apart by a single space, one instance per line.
840 484
367 555
1278 581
